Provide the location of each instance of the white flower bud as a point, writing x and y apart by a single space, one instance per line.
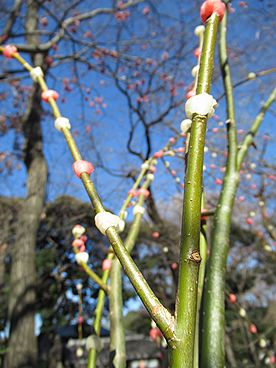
185 125
199 30
268 248
145 166
150 177
242 312
82 257
78 231
195 71
251 76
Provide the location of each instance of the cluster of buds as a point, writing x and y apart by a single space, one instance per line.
78 244
141 191
252 328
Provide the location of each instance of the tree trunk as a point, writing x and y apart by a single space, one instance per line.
22 350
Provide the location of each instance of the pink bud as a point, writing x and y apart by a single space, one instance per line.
9 51
253 328
44 21
82 248
48 60
144 192
232 298
146 10
215 130
190 94
173 172
243 4
249 221
165 55
158 154
77 243
218 181
122 16
197 52
210 7
50 93
174 266
212 166
155 235
203 218
172 140
152 169
155 333
272 359
84 238
241 198
81 166
181 150
80 320
107 263
133 192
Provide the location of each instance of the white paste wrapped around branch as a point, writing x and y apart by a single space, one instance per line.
138 209
105 220
202 104
61 123
35 73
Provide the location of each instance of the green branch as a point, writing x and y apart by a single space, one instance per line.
117 333
186 304
213 318
92 353
95 277
249 138
203 255
213 354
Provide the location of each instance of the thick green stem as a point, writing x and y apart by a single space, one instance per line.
186 303
203 255
213 354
